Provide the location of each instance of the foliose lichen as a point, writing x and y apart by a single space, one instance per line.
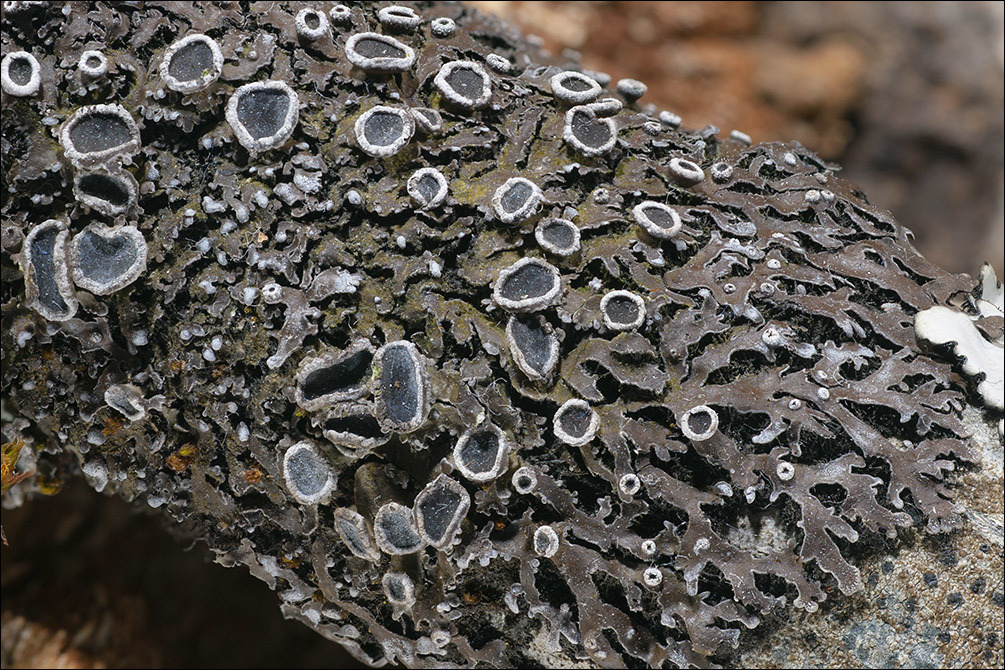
511 415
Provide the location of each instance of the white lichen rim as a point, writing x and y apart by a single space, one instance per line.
207 78
61 271
385 150
670 119
721 171
550 246
566 94
685 424
631 89
546 535
442 481
88 70
629 484
412 186
272 293
329 359
443 26
93 158
123 279
498 63
304 29
106 207
315 498
127 400
606 107
740 136
521 360
528 207
498 465
533 303
453 95
387 509
640 304
440 637
11 87
380 63
685 172
340 13
653 128
404 584
353 518
524 472
772 337
650 226
982 361
399 16
262 144
591 428
427 119
407 588
422 387
652 576
569 131
350 444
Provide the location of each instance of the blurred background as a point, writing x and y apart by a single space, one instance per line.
907 97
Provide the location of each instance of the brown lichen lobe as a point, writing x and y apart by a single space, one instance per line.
732 352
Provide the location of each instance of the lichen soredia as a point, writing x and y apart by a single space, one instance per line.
477 358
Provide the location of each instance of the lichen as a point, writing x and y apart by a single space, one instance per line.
976 340
465 453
